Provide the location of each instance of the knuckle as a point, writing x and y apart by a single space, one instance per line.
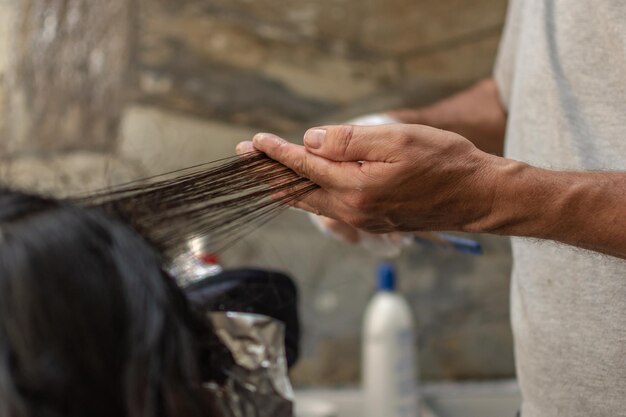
344 136
403 137
299 166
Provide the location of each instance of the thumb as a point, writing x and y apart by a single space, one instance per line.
348 143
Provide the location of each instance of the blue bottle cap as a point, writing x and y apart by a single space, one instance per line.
386 277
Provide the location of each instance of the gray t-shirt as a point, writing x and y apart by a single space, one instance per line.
561 72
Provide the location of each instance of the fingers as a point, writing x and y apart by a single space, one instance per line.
245 147
356 143
322 203
321 171
319 202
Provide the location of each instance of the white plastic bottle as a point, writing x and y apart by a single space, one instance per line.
389 360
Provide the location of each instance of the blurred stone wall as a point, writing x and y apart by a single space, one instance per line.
65 81
98 92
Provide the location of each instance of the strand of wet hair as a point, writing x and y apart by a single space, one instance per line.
220 201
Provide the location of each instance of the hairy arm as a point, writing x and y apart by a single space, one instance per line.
417 178
584 209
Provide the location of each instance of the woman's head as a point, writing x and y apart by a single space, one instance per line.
90 325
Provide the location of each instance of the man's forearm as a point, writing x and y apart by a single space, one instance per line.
475 113
584 209
415 178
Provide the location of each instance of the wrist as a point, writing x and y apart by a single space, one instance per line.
502 188
527 201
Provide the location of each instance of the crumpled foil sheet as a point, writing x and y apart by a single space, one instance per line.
258 385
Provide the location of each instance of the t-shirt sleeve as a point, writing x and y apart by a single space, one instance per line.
507 52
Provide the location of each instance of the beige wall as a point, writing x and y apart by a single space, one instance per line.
6 28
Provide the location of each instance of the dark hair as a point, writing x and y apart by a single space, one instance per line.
90 324
221 201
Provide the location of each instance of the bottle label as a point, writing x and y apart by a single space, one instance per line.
405 375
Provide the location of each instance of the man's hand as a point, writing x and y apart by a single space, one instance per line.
416 178
475 113
389 178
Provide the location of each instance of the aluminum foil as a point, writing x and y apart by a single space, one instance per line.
188 269
258 385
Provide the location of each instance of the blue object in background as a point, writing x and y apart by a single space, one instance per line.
386 277
459 244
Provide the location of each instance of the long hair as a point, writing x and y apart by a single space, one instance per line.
90 324
220 201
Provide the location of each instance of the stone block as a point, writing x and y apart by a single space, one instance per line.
460 63
209 90
67 74
67 173
404 26
204 34
163 141
275 20
7 20
275 66
336 80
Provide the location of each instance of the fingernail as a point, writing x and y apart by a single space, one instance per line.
313 138
267 139
244 147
